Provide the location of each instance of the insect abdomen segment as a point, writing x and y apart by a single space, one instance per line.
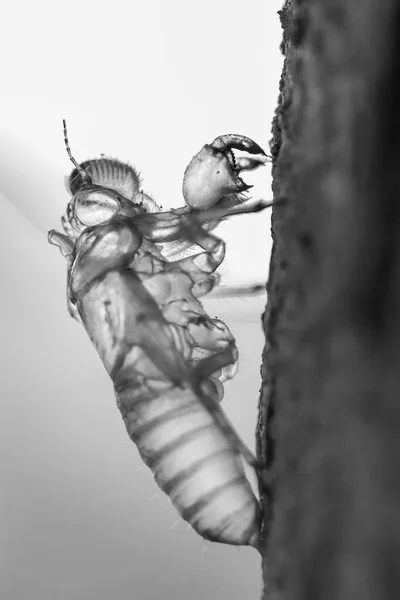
193 462
186 442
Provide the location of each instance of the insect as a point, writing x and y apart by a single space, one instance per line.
166 356
102 188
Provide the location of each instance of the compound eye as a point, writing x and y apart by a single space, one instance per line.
95 207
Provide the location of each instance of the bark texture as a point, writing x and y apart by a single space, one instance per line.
329 423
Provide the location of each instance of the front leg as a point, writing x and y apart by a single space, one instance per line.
213 174
212 189
167 226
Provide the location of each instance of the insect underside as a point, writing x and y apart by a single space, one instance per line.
138 299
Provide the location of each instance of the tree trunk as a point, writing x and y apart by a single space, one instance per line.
329 424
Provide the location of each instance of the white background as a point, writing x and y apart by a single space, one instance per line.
150 83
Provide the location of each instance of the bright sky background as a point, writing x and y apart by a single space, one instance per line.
150 83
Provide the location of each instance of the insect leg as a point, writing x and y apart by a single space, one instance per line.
200 266
206 392
218 213
167 226
213 174
226 142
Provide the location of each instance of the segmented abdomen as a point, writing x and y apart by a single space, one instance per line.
194 463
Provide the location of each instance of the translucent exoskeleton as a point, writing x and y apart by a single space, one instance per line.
104 187
166 357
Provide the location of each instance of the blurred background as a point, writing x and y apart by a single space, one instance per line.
150 83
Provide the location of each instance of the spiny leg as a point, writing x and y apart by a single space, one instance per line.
213 174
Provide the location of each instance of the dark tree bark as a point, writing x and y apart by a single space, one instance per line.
329 424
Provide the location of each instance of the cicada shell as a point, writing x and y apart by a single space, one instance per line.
166 356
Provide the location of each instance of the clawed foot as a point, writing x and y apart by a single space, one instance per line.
212 175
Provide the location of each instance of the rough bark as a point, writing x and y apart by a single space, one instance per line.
330 407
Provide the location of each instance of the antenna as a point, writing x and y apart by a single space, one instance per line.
82 172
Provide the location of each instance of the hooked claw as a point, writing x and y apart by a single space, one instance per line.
213 173
240 142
